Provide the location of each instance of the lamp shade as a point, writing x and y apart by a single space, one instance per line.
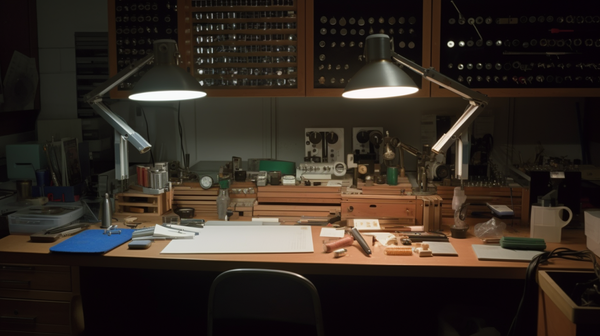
380 78
166 81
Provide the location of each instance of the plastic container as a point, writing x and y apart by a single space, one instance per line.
39 218
459 198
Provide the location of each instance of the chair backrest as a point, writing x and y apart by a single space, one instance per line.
265 296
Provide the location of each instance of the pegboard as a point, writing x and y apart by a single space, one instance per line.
338 31
135 25
519 45
247 44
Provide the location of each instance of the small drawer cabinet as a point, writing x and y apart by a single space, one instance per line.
407 209
40 299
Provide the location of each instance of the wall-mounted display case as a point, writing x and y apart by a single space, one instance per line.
336 32
517 48
274 48
232 47
255 47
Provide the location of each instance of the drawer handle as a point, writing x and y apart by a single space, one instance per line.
18 319
16 282
373 206
350 208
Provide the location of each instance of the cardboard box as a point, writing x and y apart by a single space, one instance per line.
590 172
592 230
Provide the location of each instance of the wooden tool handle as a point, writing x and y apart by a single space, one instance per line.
343 242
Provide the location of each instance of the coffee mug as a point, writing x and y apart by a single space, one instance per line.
547 222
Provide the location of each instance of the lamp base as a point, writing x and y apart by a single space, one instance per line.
459 232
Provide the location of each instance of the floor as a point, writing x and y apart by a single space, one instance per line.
148 302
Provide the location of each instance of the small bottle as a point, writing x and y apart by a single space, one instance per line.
223 201
458 199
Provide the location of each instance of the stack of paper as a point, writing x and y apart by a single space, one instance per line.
246 239
160 232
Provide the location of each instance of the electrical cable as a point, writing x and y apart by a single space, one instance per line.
460 16
524 322
181 133
512 206
148 134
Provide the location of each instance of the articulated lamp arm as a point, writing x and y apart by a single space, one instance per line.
94 98
477 101
123 132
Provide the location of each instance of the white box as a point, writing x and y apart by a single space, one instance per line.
592 230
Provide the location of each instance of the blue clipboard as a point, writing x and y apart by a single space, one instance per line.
93 241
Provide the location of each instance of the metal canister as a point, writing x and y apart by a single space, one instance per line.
106 212
154 178
23 189
274 177
164 178
392 176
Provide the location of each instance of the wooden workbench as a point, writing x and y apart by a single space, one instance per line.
144 282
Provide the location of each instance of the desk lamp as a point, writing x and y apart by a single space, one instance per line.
165 81
381 78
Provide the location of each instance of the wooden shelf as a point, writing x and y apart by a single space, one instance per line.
150 205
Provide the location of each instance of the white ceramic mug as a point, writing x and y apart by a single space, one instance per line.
547 223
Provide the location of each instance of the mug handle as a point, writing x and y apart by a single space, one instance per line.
570 215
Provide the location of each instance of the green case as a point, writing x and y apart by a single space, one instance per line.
521 243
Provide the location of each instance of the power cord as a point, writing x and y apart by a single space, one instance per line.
185 164
148 134
524 322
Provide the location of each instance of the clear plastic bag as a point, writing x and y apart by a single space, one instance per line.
492 229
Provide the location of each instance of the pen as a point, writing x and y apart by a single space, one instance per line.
149 238
182 230
361 240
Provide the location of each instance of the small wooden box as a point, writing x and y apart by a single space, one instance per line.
140 204
558 314
382 206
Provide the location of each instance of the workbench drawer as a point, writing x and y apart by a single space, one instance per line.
35 316
378 210
37 277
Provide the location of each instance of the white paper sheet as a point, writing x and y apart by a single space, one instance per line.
496 252
384 238
441 248
367 224
271 220
246 239
332 233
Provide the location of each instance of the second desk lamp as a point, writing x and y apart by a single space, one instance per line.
165 81
380 78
